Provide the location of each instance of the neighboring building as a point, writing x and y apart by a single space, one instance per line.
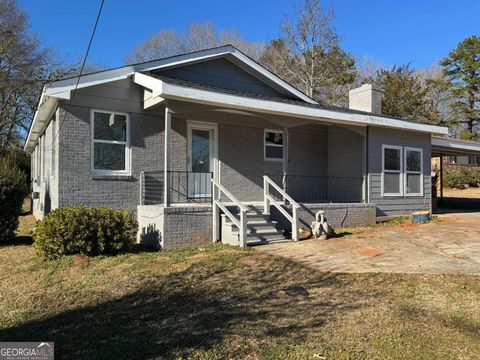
150 138
472 160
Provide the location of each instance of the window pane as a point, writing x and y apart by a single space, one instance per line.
392 159
110 126
200 150
109 156
413 183
274 152
391 183
414 160
273 138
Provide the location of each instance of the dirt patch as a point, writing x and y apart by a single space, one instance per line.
408 224
369 252
80 260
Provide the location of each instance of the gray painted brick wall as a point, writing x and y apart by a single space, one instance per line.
77 183
187 227
173 228
337 215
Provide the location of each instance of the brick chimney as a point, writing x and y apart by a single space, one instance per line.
367 97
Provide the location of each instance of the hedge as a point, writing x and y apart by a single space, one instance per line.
85 231
13 190
462 179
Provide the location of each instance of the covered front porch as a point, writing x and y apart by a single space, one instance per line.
261 175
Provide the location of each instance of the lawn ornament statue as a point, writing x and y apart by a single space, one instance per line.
320 228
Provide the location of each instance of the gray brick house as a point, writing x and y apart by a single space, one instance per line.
212 146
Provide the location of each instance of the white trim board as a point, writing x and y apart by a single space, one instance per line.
62 89
201 96
421 193
399 172
463 146
127 144
276 131
203 125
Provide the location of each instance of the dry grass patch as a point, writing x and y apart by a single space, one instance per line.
469 193
221 302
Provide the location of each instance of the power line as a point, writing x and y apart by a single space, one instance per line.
81 71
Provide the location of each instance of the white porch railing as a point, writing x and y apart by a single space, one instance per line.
269 199
217 204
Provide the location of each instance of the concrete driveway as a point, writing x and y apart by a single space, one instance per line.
449 245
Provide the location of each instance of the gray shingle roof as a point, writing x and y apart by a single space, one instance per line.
201 86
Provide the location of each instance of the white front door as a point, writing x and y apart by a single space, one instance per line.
201 159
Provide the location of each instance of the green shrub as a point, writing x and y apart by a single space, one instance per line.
13 189
84 231
462 179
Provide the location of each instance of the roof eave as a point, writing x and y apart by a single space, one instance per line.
45 109
178 92
455 145
60 87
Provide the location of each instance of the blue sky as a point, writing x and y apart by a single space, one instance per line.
387 32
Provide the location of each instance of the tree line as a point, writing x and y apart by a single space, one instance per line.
307 54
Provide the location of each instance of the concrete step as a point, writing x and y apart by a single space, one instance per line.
251 217
253 225
262 235
256 241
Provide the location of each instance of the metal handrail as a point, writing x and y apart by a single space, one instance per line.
217 204
269 199
178 187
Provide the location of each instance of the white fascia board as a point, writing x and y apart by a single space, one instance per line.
62 87
456 144
45 109
272 77
177 92
149 82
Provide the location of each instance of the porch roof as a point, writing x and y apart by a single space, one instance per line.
454 147
62 89
162 88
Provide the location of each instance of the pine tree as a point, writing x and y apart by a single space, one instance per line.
461 71
406 95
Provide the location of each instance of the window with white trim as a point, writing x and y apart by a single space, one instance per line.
110 143
413 171
273 145
392 170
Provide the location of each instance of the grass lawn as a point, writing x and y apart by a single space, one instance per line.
471 193
222 302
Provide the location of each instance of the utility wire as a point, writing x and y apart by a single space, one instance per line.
99 13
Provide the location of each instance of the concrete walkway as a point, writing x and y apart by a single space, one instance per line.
450 245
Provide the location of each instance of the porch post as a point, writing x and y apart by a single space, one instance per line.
215 214
166 158
364 169
285 160
441 178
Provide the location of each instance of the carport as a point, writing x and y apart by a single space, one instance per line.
442 146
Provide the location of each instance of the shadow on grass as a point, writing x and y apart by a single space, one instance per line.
465 325
20 240
188 312
340 234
